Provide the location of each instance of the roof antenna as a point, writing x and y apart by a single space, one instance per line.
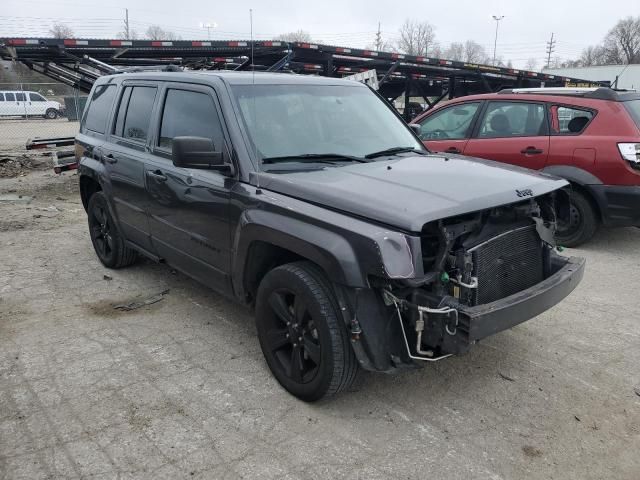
253 92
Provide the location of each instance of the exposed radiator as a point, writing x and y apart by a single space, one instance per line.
507 264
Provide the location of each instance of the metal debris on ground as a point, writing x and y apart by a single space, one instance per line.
14 198
506 377
143 303
107 277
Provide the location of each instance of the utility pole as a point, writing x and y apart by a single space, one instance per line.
378 38
127 33
495 41
209 26
551 46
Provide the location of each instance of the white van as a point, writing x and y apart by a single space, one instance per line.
27 104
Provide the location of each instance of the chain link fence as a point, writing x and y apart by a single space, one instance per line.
30 110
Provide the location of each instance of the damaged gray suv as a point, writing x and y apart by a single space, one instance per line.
310 201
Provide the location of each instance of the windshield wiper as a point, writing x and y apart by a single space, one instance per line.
314 157
395 150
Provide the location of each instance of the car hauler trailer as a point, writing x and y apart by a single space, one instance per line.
78 62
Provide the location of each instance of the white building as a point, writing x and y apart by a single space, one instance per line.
628 75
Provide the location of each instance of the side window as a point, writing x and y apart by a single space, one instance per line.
36 97
1 97
189 113
512 119
10 97
136 122
20 97
568 121
99 108
451 123
122 111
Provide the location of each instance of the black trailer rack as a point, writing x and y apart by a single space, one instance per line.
78 62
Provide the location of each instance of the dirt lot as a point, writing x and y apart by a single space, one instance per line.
179 388
15 132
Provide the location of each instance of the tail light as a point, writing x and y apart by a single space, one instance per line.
631 153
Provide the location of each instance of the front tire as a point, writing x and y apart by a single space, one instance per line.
51 114
583 222
109 245
302 334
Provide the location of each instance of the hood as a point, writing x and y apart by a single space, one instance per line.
409 191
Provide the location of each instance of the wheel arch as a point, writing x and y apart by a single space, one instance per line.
581 180
265 240
88 186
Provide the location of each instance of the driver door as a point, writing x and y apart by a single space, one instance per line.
447 130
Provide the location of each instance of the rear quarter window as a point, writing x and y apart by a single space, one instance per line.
633 107
99 107
567 120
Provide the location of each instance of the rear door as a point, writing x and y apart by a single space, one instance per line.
189 208
21 103
125 156
512 132
447 129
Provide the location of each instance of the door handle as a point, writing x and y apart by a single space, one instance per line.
157 175
110 158
531 151
453 150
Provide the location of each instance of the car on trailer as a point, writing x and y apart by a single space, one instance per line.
311 201
589 136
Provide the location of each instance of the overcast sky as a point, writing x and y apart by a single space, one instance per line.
523 32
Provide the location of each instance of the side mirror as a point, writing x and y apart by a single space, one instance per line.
196 152
415 127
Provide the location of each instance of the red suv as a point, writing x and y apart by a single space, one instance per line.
591 137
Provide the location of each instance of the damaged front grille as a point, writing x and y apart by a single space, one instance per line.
507 264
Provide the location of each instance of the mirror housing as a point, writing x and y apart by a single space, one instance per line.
196 152
415 127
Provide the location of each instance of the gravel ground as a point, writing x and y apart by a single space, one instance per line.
179 388
15 132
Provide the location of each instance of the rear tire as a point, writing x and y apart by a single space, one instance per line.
302 334
583 222
109 245
51 114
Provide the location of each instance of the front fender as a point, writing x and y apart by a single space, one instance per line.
348 253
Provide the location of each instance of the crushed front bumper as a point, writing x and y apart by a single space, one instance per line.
458 332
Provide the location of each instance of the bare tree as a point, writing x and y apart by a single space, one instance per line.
133 35
475 53
531 64
60 30
416 38
621 45
469 52
455 51
155 32
297 36
623 41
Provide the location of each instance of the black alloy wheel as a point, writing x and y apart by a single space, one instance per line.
109 245
302 334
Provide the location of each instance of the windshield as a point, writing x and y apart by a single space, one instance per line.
291 120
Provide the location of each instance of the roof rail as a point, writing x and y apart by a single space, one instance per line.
151 68
598 93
